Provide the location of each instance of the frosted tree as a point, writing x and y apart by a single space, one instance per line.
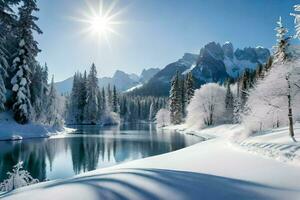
297 20
229 104
92 96
3 76
104 102
17 178
39 91
53 116
20 82
175 101
207 107
73 108
82 97
237 110
109 100
152 110
281 52
115 102
183 97
274 98
162 118
189 87
24 61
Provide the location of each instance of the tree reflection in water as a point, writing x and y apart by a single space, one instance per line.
91 147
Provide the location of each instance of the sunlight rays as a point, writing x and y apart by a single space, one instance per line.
100 21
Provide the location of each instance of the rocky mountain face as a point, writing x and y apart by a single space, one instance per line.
215 63
123 81
147 74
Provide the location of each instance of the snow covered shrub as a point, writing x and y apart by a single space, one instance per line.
267 105
110 118
207 107
163 118
17 178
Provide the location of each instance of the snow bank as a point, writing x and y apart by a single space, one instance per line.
213 169
11 130
275 144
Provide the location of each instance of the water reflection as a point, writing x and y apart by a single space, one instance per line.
89 148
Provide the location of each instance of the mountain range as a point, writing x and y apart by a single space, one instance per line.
122 80
214 63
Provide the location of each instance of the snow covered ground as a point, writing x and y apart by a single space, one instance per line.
223 167
11 130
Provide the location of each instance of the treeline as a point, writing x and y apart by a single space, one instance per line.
89 104
24 88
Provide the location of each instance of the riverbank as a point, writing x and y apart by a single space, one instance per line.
218 168
11 130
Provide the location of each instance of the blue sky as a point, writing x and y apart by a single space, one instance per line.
154 33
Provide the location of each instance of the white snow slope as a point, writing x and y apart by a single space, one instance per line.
11 130
214 169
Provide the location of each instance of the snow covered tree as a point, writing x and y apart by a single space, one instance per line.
109 99
21 93
229 104
163 118
103 100
207 107
82 98
17 178
175 101
183 97
273 100
190 90
24 61
39 91
115 101
3 76
297 20
92 96
281 52
54 114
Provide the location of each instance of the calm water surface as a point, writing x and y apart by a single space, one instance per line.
89 148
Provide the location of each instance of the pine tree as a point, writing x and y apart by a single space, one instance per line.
115 103
183 97
53 117
73 112
104 103
24 62
82 98
175 101
109 98
190 90
281 53
3 76
92 100
21 93
229 104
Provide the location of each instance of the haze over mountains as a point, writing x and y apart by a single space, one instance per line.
214 63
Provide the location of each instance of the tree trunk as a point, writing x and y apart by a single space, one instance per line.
290 112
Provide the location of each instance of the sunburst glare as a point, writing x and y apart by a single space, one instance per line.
101 21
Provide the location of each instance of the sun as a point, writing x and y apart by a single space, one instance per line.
100 25
100 21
